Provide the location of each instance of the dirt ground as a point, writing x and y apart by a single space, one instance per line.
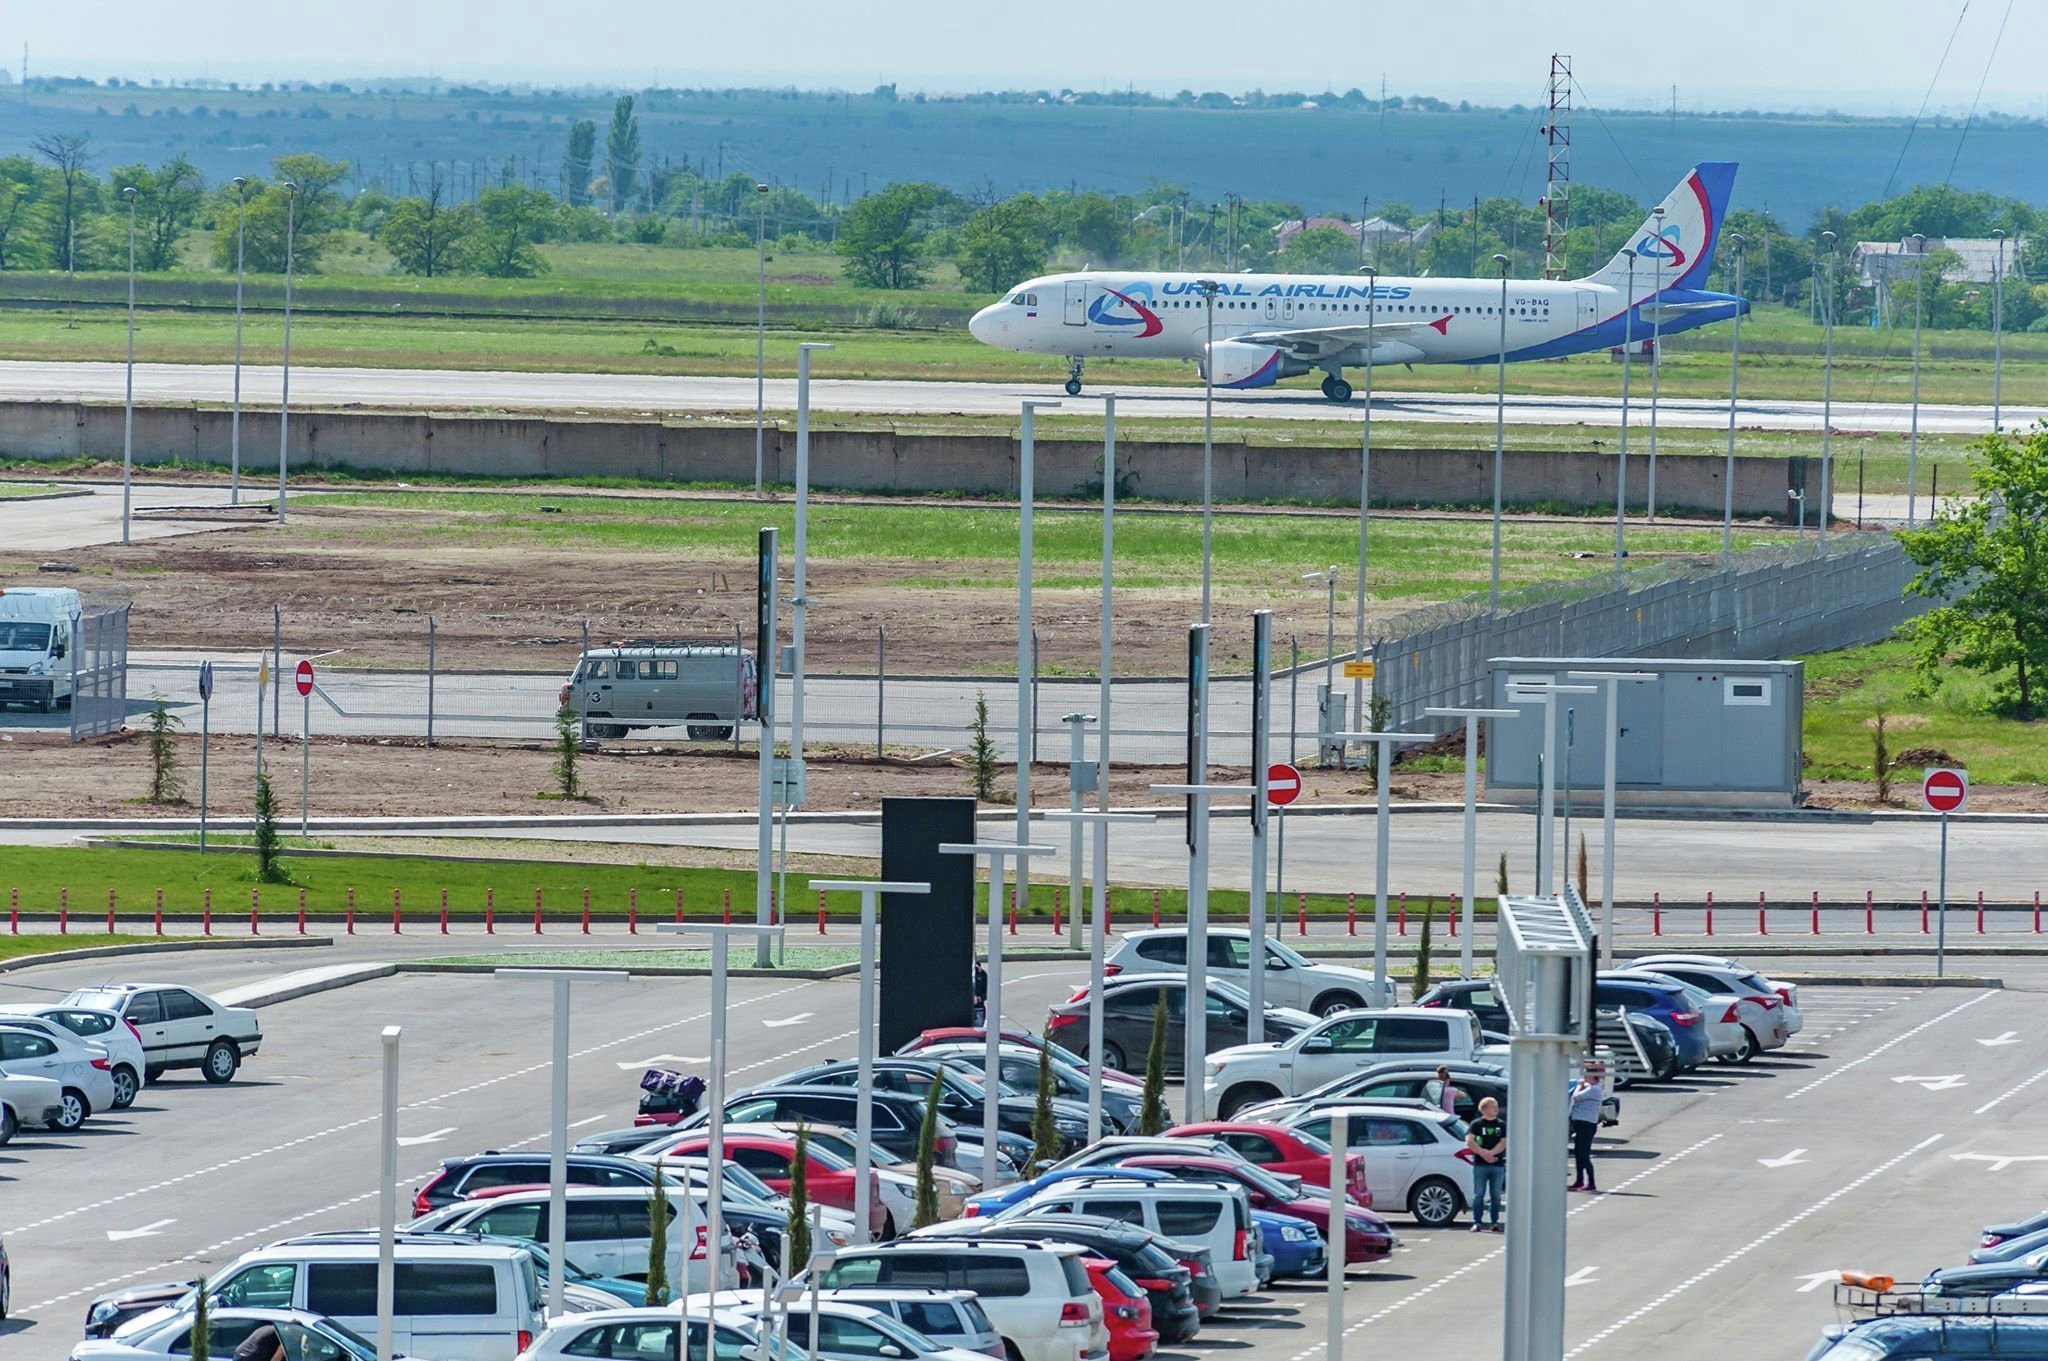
398 778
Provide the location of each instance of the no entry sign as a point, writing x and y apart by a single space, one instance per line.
304 678
1945 791
1283 784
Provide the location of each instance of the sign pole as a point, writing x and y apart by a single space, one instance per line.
1944 791
205 732
1262 687
1471 717
303 678
1100 821
766 559
1941 918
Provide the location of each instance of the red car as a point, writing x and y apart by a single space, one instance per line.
1367 1237
1280 1149
828 1179
1125 1309
960 1034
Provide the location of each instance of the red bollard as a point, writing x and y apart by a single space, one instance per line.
679 907
1404 914
1980 911
821 911
397 914
1452 918
1058 901
63 911
490 912
536 911
1155 909
351 909
1710 913
255 911
632 911
1013 911
1869 914
1923 911
1816 912
1351 914
1657 914
1763 927
14 913
159 912
726 911
2037 911
206 913
302 912
1301 914
444 911
110 912
586 911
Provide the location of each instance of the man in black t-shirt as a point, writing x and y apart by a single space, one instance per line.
1487 1137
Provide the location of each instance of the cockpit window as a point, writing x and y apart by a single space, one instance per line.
1018 299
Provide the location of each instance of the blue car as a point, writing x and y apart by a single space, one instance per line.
1668 1005
994 1202
1995 1234
1936 1336
2011 1249
1993 1279
1296 1245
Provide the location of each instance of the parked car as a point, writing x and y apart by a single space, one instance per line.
771 1158
857 1332
1667 1004
1291 979
1475 995
1367 1237
962 1097
1212 1214
895 1118
1278 1149
707 687
32 1048
1163 1269
1247 1074
306 1337
29 1103
2011 1249
1993 1278
1127 1006
968 1034
1019 1068
951 1318
1125 1309
1738 1028
1037 1294
1653 1037
583 1291
1733 975
605 1226
621 1141
709 1335
1995 1234
898 1180
122 1041
179 1027
454 1302
1934 1337
463 1177
1413 1157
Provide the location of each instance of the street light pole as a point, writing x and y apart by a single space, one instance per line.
387 1197
1472 718
1100 821
1997 329
1384 741
1500 416
1027 740
1913 447
1372 278
1208 287
1628 344
760 329
1612 681
128 402
284 400
1734 376
1329 579
1656 361
799 602
235 420
1827 398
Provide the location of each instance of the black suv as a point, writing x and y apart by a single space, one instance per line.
460 1178
897 1118
1469 994
960 1095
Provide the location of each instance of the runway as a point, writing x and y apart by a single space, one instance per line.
654 395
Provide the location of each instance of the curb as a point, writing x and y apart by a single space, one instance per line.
257 997
153 947
648 971
1890 981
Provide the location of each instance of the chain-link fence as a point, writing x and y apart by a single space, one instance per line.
1766 603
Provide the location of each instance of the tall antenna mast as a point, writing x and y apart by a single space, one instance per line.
1557 188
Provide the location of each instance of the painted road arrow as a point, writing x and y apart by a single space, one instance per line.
2009 1037
790 1020
657 1060
1999 1162
1816 1279
436 1137
1936 1084
1583 1276
146 1231
1787 1161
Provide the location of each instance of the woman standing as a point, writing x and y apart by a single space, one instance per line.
1587 1095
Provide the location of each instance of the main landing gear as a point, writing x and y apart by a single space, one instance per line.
1336 389
1074 376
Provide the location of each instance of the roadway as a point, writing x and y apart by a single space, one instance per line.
1900 1121
653 395
42 525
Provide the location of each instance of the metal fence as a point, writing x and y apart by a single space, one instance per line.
99 673
1768 603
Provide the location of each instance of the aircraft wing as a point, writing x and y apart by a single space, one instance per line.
1312 343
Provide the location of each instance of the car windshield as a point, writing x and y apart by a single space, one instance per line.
1253 1176
1311 1143
1230 992
738 1176
896 1332
832 1143
110 1001
17 636
348 1339
1274 947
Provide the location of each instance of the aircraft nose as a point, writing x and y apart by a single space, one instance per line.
982 326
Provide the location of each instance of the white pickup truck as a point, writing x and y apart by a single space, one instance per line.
35 645
1339 1045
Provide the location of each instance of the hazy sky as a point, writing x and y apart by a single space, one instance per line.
1861 55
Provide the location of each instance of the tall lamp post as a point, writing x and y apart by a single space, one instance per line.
760 328
128 402
235 419
1500 417
1208 287
284 400
1372 277
1612 681
1099 870
1471 718
1734 377
1656 360
1827 396
1913 446
799 602
1628 345
387 1196
1997 329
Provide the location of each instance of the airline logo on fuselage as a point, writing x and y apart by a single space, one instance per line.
1663 245
1125 308
1235 288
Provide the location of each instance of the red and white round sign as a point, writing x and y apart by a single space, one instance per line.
1283 784
304 677
1945 791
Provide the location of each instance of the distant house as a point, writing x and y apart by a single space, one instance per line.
1295 226
1377 232
1880 263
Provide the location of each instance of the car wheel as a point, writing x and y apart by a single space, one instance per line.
1112 1055
8 1125
126 1088
74 1110
1242 1095
222 1060
1750 1047
888 1224
152 1076
1331 1003
1434 1202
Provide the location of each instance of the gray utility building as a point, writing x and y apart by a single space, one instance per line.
1703 732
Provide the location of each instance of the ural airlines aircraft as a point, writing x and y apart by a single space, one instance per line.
1274 326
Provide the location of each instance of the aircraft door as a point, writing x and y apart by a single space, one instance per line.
1077 302
1589 309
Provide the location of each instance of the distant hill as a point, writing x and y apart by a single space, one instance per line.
1325 158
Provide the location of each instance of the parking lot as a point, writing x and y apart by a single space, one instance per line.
1899 1121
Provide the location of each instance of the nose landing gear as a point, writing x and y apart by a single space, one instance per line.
1336 389
1074 376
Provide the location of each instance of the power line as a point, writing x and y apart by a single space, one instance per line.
1975 99
1924 99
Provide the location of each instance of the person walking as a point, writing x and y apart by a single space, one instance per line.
1487 1137
1587 1095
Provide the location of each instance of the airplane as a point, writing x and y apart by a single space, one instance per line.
1273 326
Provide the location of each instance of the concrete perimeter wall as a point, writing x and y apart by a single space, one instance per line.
884 461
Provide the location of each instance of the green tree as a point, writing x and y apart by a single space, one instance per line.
577 162
269 865
658 1211
1152 1106
510 222
21 213
1003 244
167 203
622 153
308 217
70 158
981 751
1421 979
427 237
568 748
882 236
1500 877
1046 1143
926 1210
1096 226
798 1227
1881 755
1985 558
1319 250
201 1345
164 784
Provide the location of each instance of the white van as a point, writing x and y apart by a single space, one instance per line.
605 1228
459 1302
35 645
706 687
1211 1214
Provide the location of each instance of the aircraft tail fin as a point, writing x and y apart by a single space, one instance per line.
1677 249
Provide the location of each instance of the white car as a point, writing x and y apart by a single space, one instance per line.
306 1337
123 1042
36 1048
1338 1045
650 1335
1716 974
856 1332
1738 1027
898 1181
1215 1215
607 1228
1037 1294
180 1028
1291 979
29 1102
1414 1156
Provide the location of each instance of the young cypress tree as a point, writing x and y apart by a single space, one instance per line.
799 1229
927 1209
1045 1136
657 1243
1152 1108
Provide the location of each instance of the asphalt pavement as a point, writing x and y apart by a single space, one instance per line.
1894 1126
43 525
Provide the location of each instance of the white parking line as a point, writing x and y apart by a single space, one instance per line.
1750 1246
1834 1073
2014 1092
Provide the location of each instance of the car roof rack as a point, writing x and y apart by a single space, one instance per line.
1915 1302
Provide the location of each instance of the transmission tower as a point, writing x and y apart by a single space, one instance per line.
1557 188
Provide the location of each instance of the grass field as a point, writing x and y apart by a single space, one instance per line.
21 490
21 947
1418 559
1845 690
